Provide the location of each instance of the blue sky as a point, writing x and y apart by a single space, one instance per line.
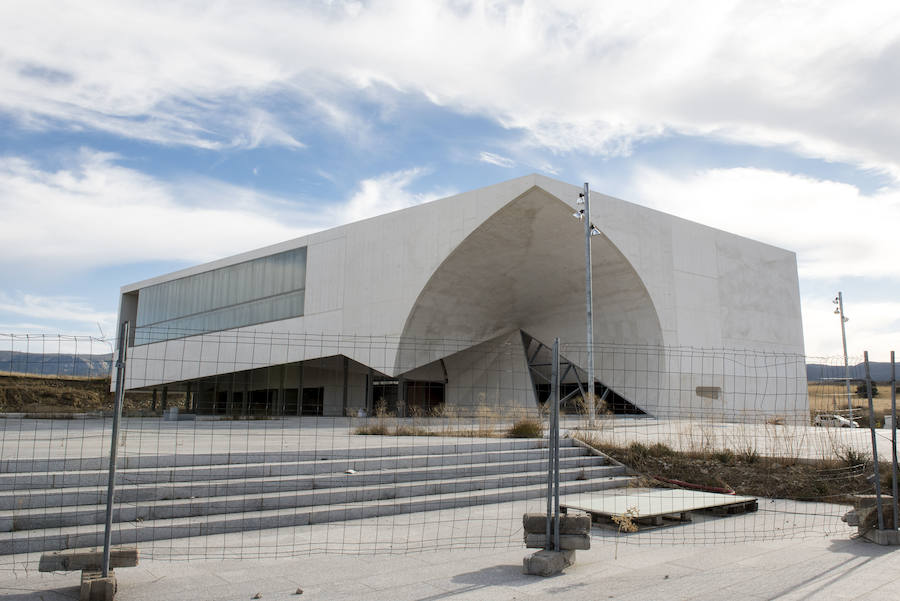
138 138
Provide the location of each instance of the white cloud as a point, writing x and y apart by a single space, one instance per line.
54 308
54 324
383 194
496 159
818 77
872 326
96 212
836 230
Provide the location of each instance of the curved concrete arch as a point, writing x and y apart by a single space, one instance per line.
523 269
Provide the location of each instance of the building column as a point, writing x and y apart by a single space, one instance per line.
245 405
281 390
370 392
344 398
300 390
401 397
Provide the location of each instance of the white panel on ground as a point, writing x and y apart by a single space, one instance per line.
645 503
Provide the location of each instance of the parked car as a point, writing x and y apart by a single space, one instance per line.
834 421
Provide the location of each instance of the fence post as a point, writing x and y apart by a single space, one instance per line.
114 445
894 443
550 542
556 445
878 504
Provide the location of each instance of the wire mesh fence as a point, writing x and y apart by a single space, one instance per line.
256 444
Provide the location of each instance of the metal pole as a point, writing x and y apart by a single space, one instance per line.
878 505
554 393
114 445
588 226
840 299
556 444
894 476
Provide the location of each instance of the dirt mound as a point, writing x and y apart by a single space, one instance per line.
45 394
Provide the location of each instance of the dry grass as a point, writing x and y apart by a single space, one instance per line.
527 427
46 396
478 422
747 473
50 394
824 398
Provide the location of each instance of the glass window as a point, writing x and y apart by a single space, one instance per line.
257 291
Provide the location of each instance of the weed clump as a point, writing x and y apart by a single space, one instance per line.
725 456
527 427
660 450
376 429
852 457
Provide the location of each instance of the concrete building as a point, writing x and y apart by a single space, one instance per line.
456 301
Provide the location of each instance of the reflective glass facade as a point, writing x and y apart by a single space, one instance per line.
257 291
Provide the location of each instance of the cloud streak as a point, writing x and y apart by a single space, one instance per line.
797 75
496 159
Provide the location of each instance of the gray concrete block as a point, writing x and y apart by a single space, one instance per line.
536 523
548 563
581 542
87 559
883 537
94 587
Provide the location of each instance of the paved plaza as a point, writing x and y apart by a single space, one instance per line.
80 438
816 567
786 550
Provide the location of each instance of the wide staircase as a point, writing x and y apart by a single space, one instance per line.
60 504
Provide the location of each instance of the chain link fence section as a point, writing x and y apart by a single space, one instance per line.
260 444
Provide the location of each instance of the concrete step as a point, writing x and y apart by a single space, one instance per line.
398 447
88 535
55 498
324 464
35 519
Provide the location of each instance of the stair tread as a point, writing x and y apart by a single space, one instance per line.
237 466
343 490
258 514
123 485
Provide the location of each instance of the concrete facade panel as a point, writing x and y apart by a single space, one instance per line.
490 263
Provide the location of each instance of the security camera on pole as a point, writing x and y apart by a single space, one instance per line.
589 230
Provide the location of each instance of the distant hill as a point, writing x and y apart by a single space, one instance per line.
100 366
61 364
881 372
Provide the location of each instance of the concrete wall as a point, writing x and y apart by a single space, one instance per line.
509 257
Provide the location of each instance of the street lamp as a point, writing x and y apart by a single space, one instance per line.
589 231
839 301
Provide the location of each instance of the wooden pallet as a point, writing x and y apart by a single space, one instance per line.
657 507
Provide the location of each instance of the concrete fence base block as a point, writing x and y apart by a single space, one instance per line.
883 537
567 542
548 563
536 523
94 587
865 517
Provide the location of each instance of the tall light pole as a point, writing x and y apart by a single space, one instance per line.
839 301
589 230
